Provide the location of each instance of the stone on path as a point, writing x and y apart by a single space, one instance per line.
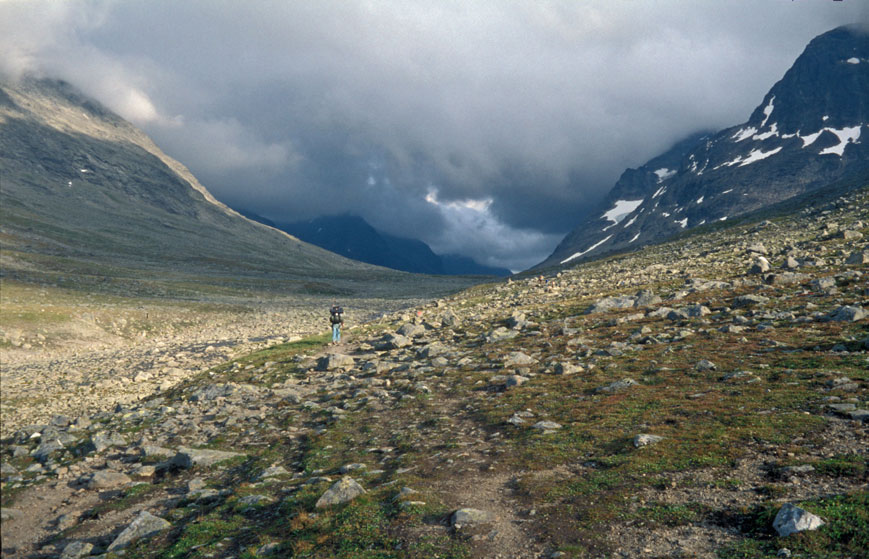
342 491
792 519
146 524
464 518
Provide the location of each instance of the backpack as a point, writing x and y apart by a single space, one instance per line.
336 315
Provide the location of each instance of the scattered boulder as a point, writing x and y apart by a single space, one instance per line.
610 303
145 525
759 266
342 491
546 426
617 386
107 479
188 457
792 519
848 313
411 330
518 359
76 550
644 439
334 361
749 301
465 518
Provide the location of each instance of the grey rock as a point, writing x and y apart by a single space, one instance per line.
645 439
565 368
858 258
468 517
792 519
107 479
9 513
189 457
546 426
745 376
500 334
617 385
393 341
254 500
433 349
823 284
103 441
749 301
859 415
46 449
610 303
646 298
76 550
355 467
518 359
759 266
791 263
267 549
705 365
515 380
517 320
411 330
274 471
847 313
335 361
342 491
150 450
145 525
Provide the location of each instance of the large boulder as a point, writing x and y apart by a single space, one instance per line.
792 519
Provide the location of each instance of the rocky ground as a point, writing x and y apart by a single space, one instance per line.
676 402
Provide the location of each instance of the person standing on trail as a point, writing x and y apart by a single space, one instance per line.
336 318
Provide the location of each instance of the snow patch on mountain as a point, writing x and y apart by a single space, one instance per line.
664 174
845 135
586 251
744 134
621 210
754 156
767 111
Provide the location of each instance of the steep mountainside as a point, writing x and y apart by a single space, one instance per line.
805 135
84 191
355 238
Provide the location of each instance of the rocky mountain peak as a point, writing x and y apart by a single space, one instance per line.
808 132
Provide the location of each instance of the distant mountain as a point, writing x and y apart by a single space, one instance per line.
355 238
809 131
82 190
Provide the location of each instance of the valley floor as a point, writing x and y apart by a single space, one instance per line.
666 403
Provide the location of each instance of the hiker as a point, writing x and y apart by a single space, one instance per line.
336 318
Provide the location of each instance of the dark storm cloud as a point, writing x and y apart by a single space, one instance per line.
486 128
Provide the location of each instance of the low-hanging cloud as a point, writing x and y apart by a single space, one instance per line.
298 109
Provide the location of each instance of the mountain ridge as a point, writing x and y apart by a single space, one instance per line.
805 134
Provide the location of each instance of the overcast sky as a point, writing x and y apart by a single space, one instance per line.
487 128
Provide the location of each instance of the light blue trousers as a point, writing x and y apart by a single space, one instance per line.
336 332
